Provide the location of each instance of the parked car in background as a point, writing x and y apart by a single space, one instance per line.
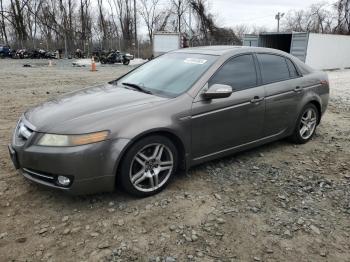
5 51
178 110
115 56
21 54
41 54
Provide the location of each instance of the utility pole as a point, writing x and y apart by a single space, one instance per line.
278 18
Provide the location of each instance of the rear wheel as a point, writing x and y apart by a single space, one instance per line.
306 124
148 166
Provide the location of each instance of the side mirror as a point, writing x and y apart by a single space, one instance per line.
218 91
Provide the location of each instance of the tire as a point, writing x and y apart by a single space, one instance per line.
306 124
126 62
141 173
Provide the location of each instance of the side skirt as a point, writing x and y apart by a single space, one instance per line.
240 148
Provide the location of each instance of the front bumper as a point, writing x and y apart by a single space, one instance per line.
92 167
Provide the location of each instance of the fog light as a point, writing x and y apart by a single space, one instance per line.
64 181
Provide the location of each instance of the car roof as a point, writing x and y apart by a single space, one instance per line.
220 50
234 50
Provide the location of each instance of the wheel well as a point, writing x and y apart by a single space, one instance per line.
175 139
318 106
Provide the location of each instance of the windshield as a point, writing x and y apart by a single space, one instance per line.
171 74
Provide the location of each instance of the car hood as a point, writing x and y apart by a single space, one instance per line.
87 110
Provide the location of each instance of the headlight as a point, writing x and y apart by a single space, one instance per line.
72 140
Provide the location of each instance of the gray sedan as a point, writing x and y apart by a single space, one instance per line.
178 110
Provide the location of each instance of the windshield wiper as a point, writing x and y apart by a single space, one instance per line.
138 87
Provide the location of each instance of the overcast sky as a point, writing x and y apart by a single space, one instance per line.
255 12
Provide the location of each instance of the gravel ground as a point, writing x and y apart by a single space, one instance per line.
279 202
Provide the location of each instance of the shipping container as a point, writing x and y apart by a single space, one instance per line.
164 42
320 51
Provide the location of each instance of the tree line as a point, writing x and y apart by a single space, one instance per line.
331 18
114 24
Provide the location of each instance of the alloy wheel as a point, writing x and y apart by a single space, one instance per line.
308 123
151 167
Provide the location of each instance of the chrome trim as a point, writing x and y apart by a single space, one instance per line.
29 172
27 123
24 131
312 86
280 94
220 110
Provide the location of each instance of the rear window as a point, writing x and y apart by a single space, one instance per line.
292 70
274 68
303 68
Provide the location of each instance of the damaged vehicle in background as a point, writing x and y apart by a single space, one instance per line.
113 57
176 111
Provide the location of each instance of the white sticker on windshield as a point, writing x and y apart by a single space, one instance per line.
195 61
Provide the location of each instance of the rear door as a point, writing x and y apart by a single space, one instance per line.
282 92
222 124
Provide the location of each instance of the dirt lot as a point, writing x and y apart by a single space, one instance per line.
279 202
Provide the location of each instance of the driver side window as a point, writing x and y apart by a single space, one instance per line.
238 72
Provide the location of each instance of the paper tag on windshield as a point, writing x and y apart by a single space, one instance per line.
195 61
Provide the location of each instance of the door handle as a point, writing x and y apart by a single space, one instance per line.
298 89
256 100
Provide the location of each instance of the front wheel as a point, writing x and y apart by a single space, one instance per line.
126 62
306 124
148 166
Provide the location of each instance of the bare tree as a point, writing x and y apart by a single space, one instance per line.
34 7
3 23
240 31
317 18
125 19
179 8
343 17
209 31
17 14
102 23
205 22
153 17
85 22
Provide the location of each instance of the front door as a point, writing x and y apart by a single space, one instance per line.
222 124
